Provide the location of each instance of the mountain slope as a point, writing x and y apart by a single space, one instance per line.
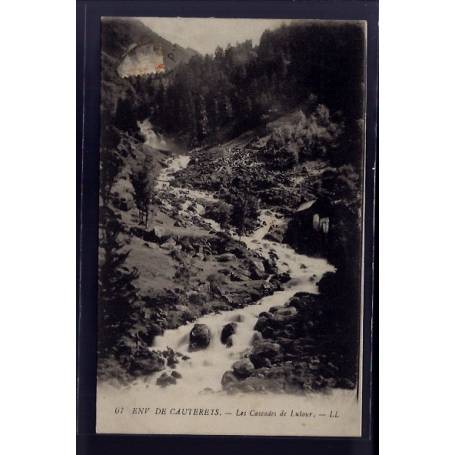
120 39
120 36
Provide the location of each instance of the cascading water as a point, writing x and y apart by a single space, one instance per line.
152 138
205 367
170 406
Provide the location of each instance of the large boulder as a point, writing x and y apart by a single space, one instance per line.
264 353
277 232
274 236
169 244
270 266
196 298
199 337
238 276
257 269
149 332
239 250
226 257
263 321
229 342
283 277
159 232
228 379
256 338
286 311
270 324
165 379
285 314
145 362
171 357
187 245
228 330
243 368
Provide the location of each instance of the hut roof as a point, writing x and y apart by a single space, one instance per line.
305 205
321 206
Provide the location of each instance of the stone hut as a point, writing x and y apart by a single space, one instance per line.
310 229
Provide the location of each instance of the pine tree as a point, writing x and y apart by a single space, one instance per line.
245 210
116 290
228 108
142 192
125 117
110 161
216 114
203 121
191 119
219 54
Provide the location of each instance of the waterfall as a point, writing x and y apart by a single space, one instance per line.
205 368
199 386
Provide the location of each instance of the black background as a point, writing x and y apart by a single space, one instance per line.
88 118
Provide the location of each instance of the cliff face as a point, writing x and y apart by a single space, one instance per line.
145 59
133 46
129 48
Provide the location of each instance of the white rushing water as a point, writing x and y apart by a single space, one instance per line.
173 165
192 198
152 138
205 368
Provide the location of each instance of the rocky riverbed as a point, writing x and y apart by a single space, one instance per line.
245 322
219 309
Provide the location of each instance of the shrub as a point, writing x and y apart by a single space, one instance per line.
220 212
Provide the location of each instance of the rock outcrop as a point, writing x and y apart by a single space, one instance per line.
264 353
166 379
298 347
227 332
243 368
200 336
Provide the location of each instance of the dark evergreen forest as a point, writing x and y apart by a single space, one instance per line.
310 71
215 98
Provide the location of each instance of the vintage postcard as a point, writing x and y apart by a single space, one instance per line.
231 226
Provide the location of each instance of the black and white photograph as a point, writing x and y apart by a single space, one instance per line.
231 226
221 234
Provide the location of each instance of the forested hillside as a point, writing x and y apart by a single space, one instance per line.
243 86
118 37
217 176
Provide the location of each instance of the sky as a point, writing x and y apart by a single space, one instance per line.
205 34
